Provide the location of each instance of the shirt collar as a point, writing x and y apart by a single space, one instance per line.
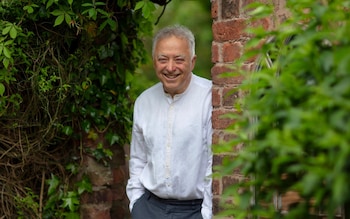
178 96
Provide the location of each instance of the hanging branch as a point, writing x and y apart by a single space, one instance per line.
161 2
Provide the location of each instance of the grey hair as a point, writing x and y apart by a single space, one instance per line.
178 31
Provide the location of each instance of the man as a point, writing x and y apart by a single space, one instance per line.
170 154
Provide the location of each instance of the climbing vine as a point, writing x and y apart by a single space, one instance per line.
65 71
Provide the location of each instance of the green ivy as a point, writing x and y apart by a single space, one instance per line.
65 73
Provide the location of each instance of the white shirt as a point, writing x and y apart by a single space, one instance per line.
170 153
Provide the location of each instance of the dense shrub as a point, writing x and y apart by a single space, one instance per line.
65 68
294 118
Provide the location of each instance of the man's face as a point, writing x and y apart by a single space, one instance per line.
173 64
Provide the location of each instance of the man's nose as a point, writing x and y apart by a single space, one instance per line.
171 66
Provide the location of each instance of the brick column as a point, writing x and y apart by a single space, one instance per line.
229 37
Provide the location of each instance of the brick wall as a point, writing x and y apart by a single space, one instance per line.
228 40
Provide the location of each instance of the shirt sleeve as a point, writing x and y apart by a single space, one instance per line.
137 162
207 205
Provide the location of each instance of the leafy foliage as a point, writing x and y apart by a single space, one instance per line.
294 118
65 70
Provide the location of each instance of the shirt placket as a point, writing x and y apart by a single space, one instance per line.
169 146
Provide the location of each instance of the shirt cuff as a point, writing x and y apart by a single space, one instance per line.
206 213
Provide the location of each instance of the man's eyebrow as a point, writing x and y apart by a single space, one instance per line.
180 56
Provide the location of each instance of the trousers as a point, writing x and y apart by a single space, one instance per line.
149 206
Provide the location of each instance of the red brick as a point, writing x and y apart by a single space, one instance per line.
216 97
230 9
232 51
228 181
98 197
216 187
216 137
119 175
230 96
219 120
214 9
95 212
266 23
215 53
217 75
229 30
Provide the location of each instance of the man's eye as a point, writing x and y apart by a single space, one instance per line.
162 60
179 60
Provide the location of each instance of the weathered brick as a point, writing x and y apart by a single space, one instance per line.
215 53
232 51
230 96
230 9
216 187
214 9
216 97
99 174
98 197
229 30
218 73
95 212
228 181
219 120
119 175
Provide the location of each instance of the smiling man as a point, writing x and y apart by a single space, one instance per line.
170 154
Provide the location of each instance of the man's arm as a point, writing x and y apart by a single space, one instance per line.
137 162
207 206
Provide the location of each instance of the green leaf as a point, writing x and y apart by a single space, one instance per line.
6 52
59 20
139 5
6 62
2 89
68 130
99 3
71 215
57 12
70 2
84 185
72 168
67 18
49 3
7 29
71 201
13 32
86 125
87 5
53 184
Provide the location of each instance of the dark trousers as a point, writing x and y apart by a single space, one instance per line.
149 206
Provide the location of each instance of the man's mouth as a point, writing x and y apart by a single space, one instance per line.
171 76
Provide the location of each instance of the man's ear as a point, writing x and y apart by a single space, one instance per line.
193 61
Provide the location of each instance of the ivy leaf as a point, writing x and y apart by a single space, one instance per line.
86 126
53 184
68 130
71 215
84 185
2 89
71 201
